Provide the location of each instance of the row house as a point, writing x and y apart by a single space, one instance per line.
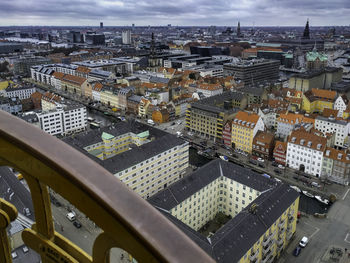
227 134
133 104
305 152
263 143
286 123
244 128
123 95
341 104
209 90
160 116
74 84
336 165
280 152
143 106
340 127
316 100
109 96
96 91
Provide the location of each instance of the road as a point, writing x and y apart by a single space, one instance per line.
333 231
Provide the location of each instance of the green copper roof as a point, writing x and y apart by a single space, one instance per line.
107 136
143 134
313 55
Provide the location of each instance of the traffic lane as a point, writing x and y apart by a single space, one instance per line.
21 197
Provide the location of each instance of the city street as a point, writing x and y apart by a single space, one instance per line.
333 231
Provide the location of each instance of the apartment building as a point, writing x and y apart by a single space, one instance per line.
316 100
263 212
144 158
340 127
286 123
209 90
305 152
63 119
341 104
19 92
244 128
208 116
336 165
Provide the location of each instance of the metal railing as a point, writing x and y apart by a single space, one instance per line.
126 220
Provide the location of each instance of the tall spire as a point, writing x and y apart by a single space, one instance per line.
239 29
152 46
306 34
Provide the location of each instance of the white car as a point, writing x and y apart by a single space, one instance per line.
303 242
281 166
260 160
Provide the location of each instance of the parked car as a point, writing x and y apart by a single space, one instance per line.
77 224
277 171
274 164
314 184
281 166
262 165
303 242
252 161
297 251
260 160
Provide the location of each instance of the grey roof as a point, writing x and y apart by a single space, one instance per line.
135 98
210 103
160 143
138 154
232 241
155 79
125 90
332 120
252 90
100 73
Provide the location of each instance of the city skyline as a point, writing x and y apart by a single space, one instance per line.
181 13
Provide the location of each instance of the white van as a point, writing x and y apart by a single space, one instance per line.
150 122
70 216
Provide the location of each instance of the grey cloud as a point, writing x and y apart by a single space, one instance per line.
181 12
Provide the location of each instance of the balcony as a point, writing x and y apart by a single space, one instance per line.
267 257
281 224
290 218
267 248
126 220
266 240
254 255
280 241
289 235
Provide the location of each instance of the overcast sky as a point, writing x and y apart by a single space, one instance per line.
178 12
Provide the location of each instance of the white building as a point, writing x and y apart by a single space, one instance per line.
305 152
21 92
340 104
341 129
145 159
63 120
209 90
126 37
269 117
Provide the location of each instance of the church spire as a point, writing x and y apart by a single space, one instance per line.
306 34
239 29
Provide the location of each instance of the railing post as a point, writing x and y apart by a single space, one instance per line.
42 207
8 213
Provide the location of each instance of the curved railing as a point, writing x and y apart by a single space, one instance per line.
126 220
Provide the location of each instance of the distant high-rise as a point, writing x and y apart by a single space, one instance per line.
239 29
306 34
101 24
126 37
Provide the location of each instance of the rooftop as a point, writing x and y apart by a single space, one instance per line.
232 241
